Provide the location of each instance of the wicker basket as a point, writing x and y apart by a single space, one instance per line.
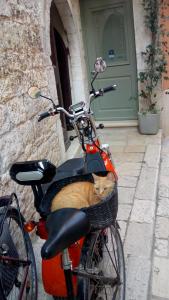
100 215
103 214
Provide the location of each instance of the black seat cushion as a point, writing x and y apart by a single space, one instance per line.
65 227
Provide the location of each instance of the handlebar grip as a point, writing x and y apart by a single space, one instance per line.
109 88
43 116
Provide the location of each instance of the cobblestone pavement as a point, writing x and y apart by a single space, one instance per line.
160 267
144 221
137 159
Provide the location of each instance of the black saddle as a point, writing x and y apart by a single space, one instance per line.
65 226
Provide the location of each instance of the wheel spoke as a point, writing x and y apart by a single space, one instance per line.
105 279
111 258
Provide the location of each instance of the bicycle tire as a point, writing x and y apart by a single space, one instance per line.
17 245
95 256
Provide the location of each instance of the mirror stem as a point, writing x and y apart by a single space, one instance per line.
48 99
93 81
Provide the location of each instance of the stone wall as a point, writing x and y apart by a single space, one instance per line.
24 63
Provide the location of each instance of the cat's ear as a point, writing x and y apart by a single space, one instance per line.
110 176
95 177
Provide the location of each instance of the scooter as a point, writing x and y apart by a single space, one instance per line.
64 230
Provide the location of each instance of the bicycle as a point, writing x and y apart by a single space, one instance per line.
18 277
82 257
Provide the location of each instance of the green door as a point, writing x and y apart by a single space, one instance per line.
109 32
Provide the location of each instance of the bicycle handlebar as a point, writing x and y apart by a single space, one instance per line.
100 92
59 109
109 88
43 116
53 112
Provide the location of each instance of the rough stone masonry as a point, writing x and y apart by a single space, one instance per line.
23 64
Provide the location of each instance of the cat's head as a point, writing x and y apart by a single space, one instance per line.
103 185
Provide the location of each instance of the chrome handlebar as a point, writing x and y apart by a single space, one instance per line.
86 108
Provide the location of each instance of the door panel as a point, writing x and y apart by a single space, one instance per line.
109 32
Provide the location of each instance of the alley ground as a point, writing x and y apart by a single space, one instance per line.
142 163
143 167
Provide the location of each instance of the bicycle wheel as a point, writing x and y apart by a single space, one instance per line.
16 259
104 267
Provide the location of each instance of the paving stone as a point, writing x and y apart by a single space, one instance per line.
164 171
122 230
127 181
129 165
160 286
113 133
163 207
128 169
147 184
165 161
143 211
117 142
139 239
123 212
158 135
163 191
133 131
137 279
119 132
164 180
129 157
152 156
139 140
161 247
162 228
157 298
165 148
115 149
164 185
156 139
135 148
126 195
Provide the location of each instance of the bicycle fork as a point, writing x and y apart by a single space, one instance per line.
67 267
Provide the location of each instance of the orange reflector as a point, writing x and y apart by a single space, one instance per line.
29 226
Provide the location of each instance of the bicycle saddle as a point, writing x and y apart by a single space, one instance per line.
65 226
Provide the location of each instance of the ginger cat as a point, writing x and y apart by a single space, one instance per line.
84 194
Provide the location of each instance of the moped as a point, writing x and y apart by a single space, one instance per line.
82 257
